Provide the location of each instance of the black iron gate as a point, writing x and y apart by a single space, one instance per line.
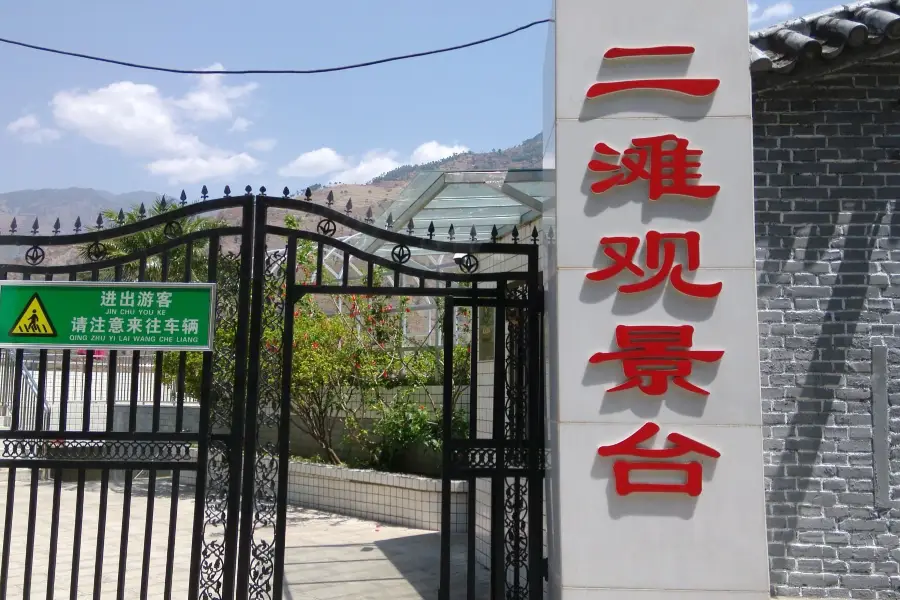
131 473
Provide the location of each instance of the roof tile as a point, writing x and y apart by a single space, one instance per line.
823 37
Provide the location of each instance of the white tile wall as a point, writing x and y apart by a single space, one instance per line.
388 498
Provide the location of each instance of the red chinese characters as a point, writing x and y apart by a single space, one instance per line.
666 162
680 446
694 87
660 261
654 355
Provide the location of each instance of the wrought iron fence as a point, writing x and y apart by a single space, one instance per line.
28 404
86 379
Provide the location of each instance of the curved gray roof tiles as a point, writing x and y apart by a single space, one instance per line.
846 32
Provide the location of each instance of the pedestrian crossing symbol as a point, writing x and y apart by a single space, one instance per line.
34 321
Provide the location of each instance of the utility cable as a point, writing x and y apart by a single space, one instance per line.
274 71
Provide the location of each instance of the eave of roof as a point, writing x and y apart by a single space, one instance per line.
825 41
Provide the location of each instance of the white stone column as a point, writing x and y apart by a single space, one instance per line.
704 536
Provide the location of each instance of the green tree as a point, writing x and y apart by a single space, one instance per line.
148 238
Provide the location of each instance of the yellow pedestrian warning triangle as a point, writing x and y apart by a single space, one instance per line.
34 321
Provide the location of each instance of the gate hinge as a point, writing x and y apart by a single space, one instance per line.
546 568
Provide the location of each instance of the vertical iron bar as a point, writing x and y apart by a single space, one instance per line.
498 569
170 545
57 474
446 438
151 483
319 251
473 435
203 444
182 357
179 423
11 480
79 497
33 498
54 533
284 423
129 473
111 373
123 548
345 272
535 440
236 435
247 501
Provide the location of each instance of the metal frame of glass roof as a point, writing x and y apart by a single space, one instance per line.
469 200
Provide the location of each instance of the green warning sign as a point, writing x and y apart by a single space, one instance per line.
101 315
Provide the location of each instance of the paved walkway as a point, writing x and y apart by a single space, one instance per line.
328 557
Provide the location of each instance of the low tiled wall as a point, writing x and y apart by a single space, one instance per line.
389 498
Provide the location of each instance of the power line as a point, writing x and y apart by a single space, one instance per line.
274 71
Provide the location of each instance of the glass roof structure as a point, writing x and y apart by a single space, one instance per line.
465 199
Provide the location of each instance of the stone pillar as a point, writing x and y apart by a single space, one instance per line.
656 474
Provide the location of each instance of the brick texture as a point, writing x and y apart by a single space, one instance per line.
827 169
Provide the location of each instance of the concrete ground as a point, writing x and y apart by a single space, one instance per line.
327 557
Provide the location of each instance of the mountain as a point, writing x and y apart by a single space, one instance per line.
527 155
66 204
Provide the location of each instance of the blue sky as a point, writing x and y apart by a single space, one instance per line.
67 122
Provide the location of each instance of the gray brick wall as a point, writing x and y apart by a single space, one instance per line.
827 157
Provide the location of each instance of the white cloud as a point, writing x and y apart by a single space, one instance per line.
326 161
139 120
262 145
126 115
211 99
28 129
373 164
432 151
314 163
197 169
240 124
771 13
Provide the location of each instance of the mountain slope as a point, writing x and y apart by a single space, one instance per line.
66 204
527 155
